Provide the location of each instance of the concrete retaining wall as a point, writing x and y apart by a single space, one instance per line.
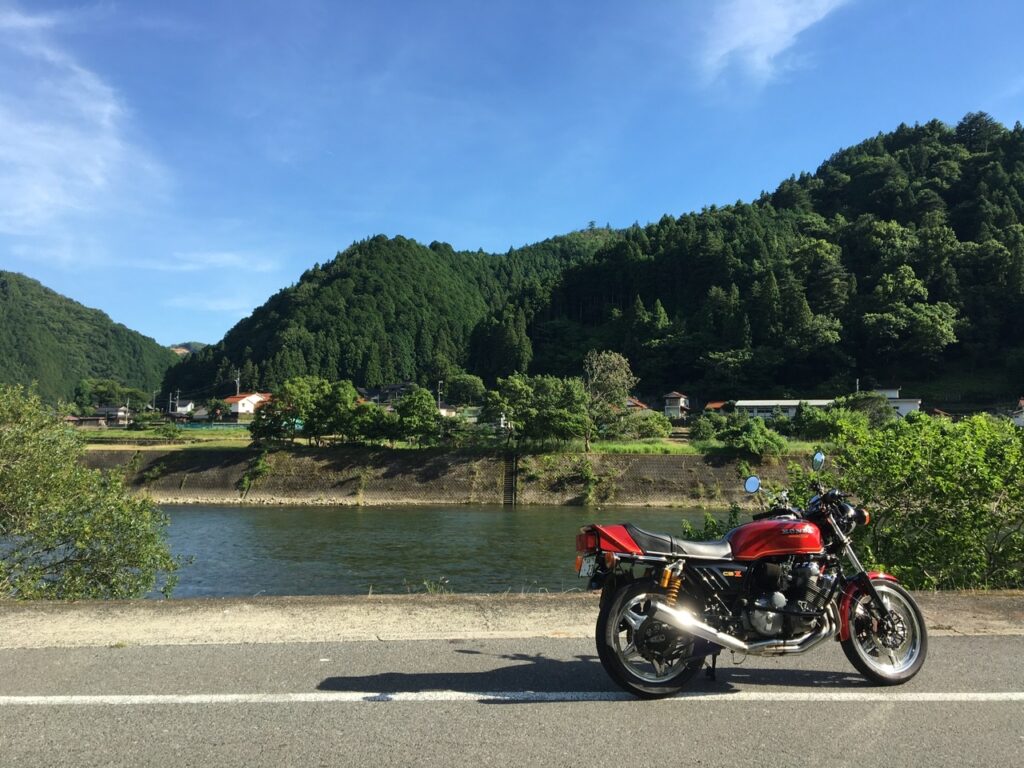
365 476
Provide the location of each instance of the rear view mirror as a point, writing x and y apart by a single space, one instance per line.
818 461
752 484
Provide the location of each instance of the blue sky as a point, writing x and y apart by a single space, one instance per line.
174 164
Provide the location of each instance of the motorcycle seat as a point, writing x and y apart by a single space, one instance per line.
663 544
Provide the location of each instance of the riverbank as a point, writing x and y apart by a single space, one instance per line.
391 617
376 476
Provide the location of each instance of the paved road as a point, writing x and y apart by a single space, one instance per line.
494 702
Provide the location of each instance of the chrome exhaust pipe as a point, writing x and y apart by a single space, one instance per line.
684 621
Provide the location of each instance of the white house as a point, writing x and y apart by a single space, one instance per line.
763 409
246 404
184 407
1018 415
902 405
677 405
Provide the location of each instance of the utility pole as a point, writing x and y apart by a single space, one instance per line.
238 382
177 399
439 383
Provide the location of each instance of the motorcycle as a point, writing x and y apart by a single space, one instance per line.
773 586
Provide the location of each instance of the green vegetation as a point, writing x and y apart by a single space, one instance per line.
67 532
388 310
947 500
54 342
897 259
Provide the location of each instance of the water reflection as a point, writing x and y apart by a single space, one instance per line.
353 550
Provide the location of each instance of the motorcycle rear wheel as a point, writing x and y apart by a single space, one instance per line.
891 654
617 626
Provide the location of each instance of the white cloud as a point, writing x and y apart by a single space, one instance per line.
232 305
754 34
65 149
202 261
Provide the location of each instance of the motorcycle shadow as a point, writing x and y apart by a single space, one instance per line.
582 673
536 673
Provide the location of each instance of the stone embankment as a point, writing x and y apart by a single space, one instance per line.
391 617
367 476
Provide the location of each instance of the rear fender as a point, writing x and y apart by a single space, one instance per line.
852 592
615 538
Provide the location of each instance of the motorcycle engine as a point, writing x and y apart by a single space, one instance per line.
782 590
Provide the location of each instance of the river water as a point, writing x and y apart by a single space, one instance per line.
245 551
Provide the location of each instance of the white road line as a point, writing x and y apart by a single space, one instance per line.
360 697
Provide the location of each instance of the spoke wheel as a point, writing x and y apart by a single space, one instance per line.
891 649
626 657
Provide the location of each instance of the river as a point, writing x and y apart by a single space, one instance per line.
245 551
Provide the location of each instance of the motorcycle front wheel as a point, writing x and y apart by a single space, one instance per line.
619 625
892 650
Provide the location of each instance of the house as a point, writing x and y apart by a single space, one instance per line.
245 404
1018 415
118 415
763 409
633 405
715 405
902 405
85 421
184 407
677 405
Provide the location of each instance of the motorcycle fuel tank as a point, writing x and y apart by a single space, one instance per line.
763 538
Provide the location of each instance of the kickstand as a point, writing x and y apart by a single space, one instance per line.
712 666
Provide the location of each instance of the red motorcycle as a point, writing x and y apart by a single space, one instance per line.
770 587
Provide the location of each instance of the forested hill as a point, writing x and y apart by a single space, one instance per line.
51 340
898 259
388 310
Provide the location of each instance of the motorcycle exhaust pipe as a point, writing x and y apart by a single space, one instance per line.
683 620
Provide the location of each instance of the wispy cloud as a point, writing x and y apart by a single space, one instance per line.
211 260
65 148
754 34
232 305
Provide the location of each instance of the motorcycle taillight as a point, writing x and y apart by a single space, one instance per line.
587 540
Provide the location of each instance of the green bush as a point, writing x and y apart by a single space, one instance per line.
753 438
947 500
68 532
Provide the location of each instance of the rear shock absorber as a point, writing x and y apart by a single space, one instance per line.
672 582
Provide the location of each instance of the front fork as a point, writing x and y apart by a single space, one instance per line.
862 582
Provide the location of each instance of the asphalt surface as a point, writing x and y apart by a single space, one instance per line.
495 702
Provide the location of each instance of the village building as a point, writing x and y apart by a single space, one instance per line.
677 405
117 415
245 404
763 409
902 405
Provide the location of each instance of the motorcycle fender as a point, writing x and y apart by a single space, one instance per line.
852 590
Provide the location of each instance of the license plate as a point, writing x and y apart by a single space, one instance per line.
588 566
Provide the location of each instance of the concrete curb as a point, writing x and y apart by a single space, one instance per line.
390 617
